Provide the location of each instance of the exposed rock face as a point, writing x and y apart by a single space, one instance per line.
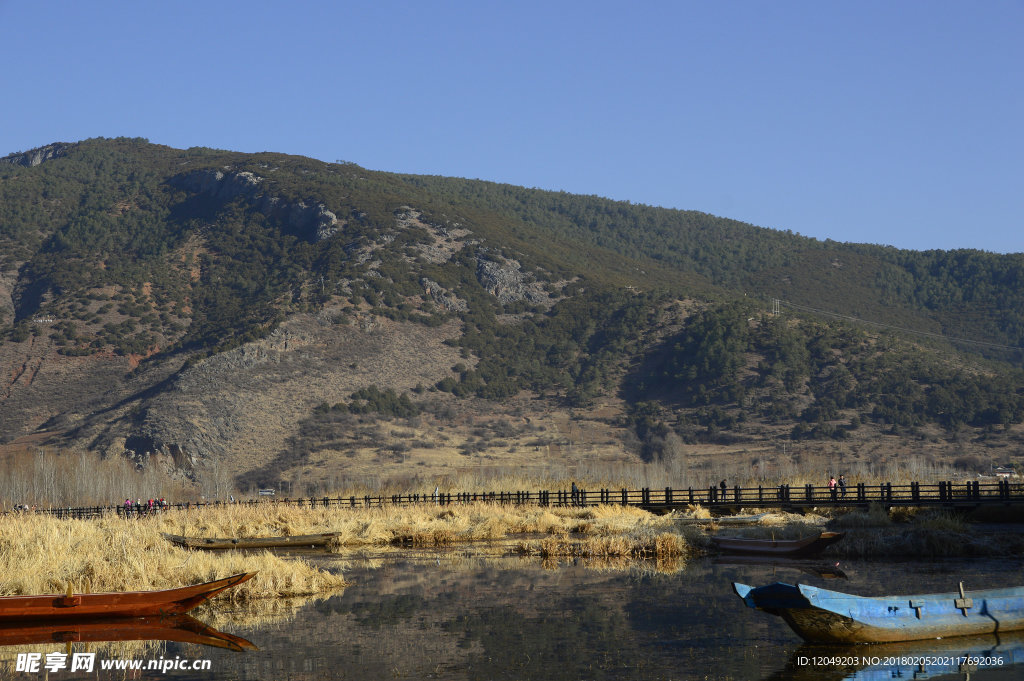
506 281
240 407
448 239
312 219
443 297
34 157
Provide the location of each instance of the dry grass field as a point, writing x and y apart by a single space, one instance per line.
40 554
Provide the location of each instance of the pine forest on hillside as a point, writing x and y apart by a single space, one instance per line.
188 304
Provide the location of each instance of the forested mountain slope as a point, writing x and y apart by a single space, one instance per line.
259 312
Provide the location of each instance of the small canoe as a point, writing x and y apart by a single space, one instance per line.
114 604
179 628
220 543
808 546
822 616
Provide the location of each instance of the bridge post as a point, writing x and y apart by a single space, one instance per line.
760 493
691 495
625 497
809 492
737 494
915 491
668 495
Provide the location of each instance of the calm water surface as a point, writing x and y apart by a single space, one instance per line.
459 616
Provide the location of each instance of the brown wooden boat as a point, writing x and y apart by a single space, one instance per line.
114 604
180 628
808 546
215 543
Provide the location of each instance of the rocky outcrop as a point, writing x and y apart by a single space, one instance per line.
504 279
447 239
34 157
442 296
240 407
311 219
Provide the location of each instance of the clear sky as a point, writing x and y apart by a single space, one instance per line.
871 121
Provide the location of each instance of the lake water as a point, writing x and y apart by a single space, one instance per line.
456 615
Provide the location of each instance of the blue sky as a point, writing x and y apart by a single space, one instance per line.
877 122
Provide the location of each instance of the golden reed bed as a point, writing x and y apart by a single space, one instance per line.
40 554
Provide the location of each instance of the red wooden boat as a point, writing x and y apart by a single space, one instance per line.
180 628
114 604
808 546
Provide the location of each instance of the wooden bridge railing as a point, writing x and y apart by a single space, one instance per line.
943 493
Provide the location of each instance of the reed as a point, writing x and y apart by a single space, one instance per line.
642 542
406 525
40 554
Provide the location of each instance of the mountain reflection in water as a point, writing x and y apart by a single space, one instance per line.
458 616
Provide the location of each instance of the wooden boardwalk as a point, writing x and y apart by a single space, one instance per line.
944 494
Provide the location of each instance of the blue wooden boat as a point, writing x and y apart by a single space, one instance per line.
822 616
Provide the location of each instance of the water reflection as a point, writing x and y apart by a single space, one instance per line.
962 657
815 568
456 616
461 616
178 628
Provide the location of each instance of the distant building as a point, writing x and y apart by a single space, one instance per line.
1005 472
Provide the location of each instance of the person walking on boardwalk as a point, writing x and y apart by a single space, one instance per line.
575 494
842 486
724 488
832 486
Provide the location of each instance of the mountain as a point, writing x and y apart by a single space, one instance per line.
258 318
